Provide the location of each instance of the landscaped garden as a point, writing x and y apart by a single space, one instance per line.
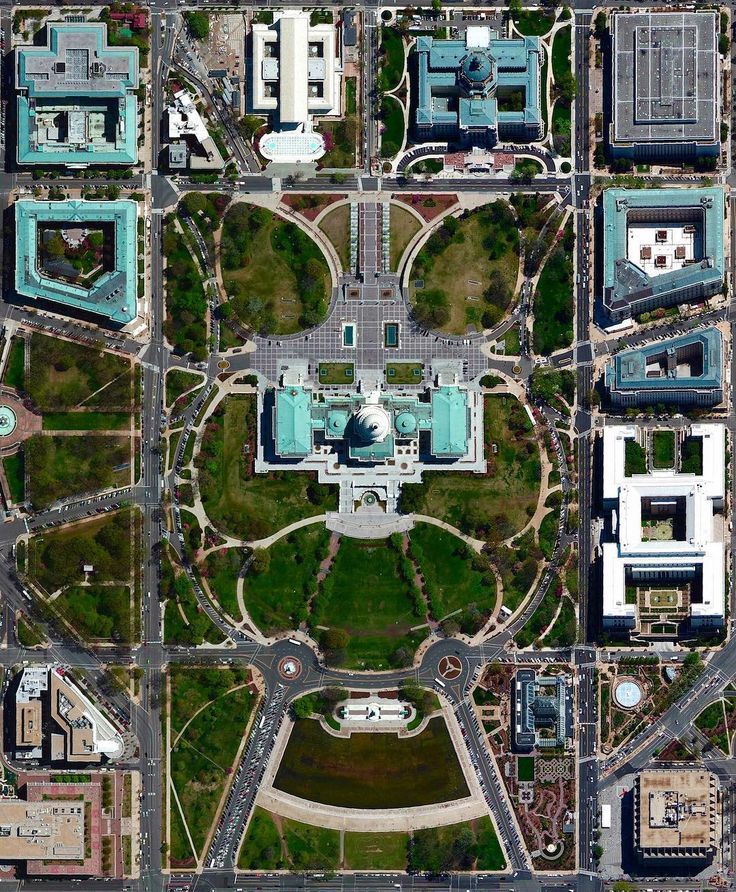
371 770
178 383
553 298
210 710
564 89
185 623
275 275
341 141
236 500
499 503
467 269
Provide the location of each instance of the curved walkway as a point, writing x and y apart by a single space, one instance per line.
364 820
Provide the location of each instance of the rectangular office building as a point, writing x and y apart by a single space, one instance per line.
77 98
666 85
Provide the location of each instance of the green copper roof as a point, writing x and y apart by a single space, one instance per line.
449 421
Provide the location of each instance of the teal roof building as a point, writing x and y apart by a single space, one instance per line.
370 428
661 247
76 100
478 90
112 295
685 371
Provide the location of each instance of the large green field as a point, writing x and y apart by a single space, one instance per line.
202 758
391 52
468 268
457 581
404 226
239 502
276 598
369 594
275 275
500 502
371 770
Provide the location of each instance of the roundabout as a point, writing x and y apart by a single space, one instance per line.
290 668
450 667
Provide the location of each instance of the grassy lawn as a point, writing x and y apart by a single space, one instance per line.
193 686
15 369
98 612
404 226
404 372
469 267
467 846
86 421
275 275
562 126
375 851
553 298
532 22
311 848
564 632
456 580
635 459
691 456
221 569
277 598
201 761
261 849
179 382
377 613
180 852
64 375
505 497
371 770
663 449
548 533
391 53
14 467
237 501
336 373
392 118
56 557
561 53
186 304
306 847
336 226
540 619
351 95
29 634
59 467
195 627
525 768
341 141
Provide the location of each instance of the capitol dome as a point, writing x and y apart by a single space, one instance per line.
372 424
477 70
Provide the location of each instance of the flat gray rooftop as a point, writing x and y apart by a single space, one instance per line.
666 83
